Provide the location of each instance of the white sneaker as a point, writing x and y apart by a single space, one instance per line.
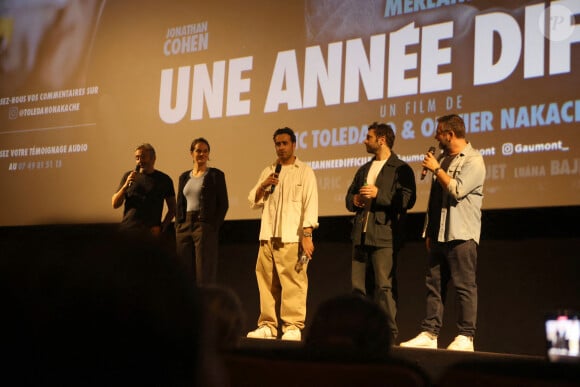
462 343
263 332
292 334
423 340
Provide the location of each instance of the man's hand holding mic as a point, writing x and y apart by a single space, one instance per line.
368 191
308 245
119 196
358 200
267 186
430 153
132 176
274 177
306 249
270 183
430 163
365 195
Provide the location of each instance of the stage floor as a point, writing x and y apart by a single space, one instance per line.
435 361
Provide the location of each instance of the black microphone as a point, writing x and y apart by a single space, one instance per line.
137 169
276 173
424 171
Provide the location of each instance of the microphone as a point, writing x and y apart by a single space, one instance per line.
137 169
276 173
424 171
303 260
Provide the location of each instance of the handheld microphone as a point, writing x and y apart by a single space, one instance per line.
137 169
303 260
424 171
276 173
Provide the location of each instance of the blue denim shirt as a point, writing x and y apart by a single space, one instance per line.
461 202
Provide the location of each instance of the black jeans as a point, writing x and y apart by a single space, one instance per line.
374 276
456 261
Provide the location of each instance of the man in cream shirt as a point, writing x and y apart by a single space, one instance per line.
287 194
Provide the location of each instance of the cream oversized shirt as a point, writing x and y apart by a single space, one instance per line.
293 205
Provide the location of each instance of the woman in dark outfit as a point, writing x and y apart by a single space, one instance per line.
202 203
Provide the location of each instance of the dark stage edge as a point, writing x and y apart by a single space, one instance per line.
434 362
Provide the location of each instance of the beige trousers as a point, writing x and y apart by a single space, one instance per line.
281 286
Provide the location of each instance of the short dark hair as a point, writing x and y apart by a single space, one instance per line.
147 147
285 130
384 130
197 141
349 325
453 123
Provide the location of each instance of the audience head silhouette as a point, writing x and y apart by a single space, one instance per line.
98 309
224 316
349 326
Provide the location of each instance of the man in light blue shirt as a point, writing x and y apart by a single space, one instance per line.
452 229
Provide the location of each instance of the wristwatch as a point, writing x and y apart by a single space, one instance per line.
436 170
307 234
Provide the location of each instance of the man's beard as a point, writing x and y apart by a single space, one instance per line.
370 149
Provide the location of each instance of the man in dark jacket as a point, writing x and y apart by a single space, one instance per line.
381 193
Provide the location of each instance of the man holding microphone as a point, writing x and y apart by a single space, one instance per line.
287 195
